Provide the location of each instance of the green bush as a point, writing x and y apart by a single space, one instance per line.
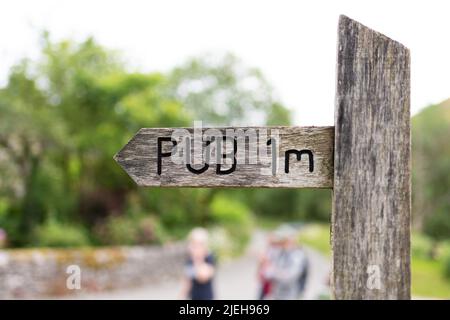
431 163
236 219
131 230
292 204
444 255
229 211
437 226
174 217
55 234
421 246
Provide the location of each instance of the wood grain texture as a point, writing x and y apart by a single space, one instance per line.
371 201
139 159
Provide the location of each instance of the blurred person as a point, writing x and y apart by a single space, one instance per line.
287 268
264 265
199 268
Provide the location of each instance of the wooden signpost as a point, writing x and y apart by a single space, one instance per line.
147 158
364 158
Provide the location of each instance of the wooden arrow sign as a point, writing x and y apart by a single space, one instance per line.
292 157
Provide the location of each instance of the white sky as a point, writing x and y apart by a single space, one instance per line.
292 42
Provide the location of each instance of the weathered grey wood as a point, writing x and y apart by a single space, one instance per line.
139 159
371 202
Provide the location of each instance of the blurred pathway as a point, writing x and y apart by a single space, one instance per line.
236 279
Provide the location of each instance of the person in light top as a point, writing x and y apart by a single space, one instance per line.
199 268
286 268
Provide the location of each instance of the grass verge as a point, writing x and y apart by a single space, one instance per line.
427 275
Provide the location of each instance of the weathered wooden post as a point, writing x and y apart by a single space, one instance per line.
370 173
371 200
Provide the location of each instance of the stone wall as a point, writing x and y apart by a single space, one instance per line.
40 273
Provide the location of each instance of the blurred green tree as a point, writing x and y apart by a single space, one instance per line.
66 114
223 91
431 167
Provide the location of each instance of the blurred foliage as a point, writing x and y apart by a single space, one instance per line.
431 168
235 218
67 113
446 260
64 117
54 234
133 229
422 246
222 91
293 204
317 236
